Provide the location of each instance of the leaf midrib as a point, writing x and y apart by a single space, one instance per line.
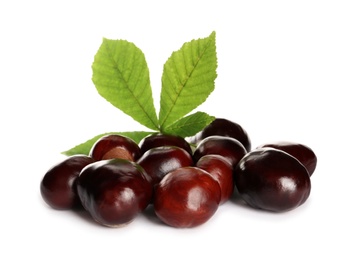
185 82
127 85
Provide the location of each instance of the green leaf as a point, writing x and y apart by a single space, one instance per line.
84 148
188 79
189 125
121 76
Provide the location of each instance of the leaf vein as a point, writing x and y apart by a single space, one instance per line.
182 86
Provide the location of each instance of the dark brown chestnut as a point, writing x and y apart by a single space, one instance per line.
228 147
159 139
115 146
114 191
58 184
273 180
159 161
221 170
186 197
223 127
300 151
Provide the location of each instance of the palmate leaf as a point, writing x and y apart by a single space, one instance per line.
188 79
121 76
85 147
189 125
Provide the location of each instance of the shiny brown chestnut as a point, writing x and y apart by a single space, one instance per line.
114 191
159 139
228 147
221 170
159 161
273 180
223 127
58 184
300 151
115 146
187 197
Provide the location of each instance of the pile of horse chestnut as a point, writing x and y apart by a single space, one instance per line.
185 180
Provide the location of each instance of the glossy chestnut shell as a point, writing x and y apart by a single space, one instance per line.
187 197
159 161
228 147
300 151
115 146
224 127
114 191
221 170
159 139
58 184
272 180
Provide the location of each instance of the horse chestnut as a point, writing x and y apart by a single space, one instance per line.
58 184
159 139
114 191
272 180
300 151
159 161
187 197
221 170
115 146
223 127
228 147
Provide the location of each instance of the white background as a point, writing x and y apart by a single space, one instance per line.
287 70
